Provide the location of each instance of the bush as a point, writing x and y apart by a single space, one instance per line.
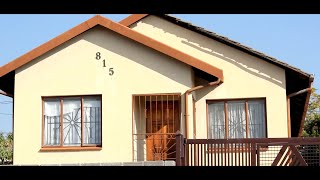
6 148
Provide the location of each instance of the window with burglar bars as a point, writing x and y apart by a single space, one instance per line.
244 118
71 121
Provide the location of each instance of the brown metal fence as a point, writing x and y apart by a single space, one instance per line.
248 152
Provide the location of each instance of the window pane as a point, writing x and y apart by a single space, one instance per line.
51 122
236 119
216 120
257 121
71 121
92 120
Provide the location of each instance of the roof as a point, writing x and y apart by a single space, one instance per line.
136 17
296 79
116 27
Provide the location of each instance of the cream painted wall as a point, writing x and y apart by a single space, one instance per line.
245 76
71 69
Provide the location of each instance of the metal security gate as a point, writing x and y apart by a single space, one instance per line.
156 118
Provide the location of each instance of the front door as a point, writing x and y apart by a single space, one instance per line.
162 119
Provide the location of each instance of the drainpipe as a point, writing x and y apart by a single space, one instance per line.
288 106
186 103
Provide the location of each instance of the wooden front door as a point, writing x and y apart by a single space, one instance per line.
162 121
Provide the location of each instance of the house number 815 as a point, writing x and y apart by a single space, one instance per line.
98 57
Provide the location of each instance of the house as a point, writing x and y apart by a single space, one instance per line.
118 92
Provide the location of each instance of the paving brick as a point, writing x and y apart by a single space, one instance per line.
112 164
153 163
169 163
140 163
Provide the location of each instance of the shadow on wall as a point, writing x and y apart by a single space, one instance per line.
203 92
255 68
246 62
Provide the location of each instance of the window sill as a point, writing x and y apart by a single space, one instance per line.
57 149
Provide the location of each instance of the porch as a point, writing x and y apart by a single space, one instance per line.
156 137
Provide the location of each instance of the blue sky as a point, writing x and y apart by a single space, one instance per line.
293 38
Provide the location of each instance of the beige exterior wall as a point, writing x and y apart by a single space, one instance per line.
71 69
245 76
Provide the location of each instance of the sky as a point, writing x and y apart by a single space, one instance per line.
293 39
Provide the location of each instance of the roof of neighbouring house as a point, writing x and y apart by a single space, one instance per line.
296 79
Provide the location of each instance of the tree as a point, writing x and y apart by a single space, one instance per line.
312 122
6 148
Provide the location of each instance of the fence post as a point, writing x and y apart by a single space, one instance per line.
253 154
179 148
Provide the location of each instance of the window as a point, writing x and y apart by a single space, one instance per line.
72 121
236 119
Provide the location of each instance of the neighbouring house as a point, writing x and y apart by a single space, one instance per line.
118 92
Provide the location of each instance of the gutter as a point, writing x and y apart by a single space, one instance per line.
6 94
306 90
186 103
300 92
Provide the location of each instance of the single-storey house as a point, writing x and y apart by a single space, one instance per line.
108 91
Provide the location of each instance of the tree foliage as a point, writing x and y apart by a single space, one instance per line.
6 148
312 122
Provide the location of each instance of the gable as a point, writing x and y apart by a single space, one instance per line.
118 28
135 68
